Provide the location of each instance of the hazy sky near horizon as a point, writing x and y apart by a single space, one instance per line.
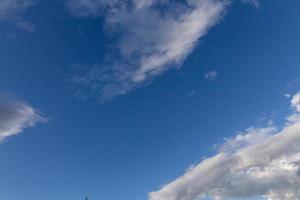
149 99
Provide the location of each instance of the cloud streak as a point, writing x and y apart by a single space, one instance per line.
153 36
262 162
15 116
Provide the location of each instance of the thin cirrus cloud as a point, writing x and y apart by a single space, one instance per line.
11 10
252 2
15 116
262 162
211 75
153 36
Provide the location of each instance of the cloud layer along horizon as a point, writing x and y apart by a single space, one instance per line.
15 116
262 162
152 37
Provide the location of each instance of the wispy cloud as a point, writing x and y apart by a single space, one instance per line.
153 36
255 3
262 162
11 10
16 115
190 93
211 75
26 26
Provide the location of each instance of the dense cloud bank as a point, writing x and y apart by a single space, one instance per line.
263 162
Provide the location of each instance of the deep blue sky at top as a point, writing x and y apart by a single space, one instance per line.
126 147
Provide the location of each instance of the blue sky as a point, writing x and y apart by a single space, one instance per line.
117 99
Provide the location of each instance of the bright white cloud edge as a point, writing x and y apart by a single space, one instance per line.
15 116
150 41
262 162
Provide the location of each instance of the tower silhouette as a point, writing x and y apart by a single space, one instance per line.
86 198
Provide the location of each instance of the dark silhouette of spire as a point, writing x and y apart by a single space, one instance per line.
86 198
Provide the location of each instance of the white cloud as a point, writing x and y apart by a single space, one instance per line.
15 116
295 105
212 75
295 102
154 36
252 135
262 162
